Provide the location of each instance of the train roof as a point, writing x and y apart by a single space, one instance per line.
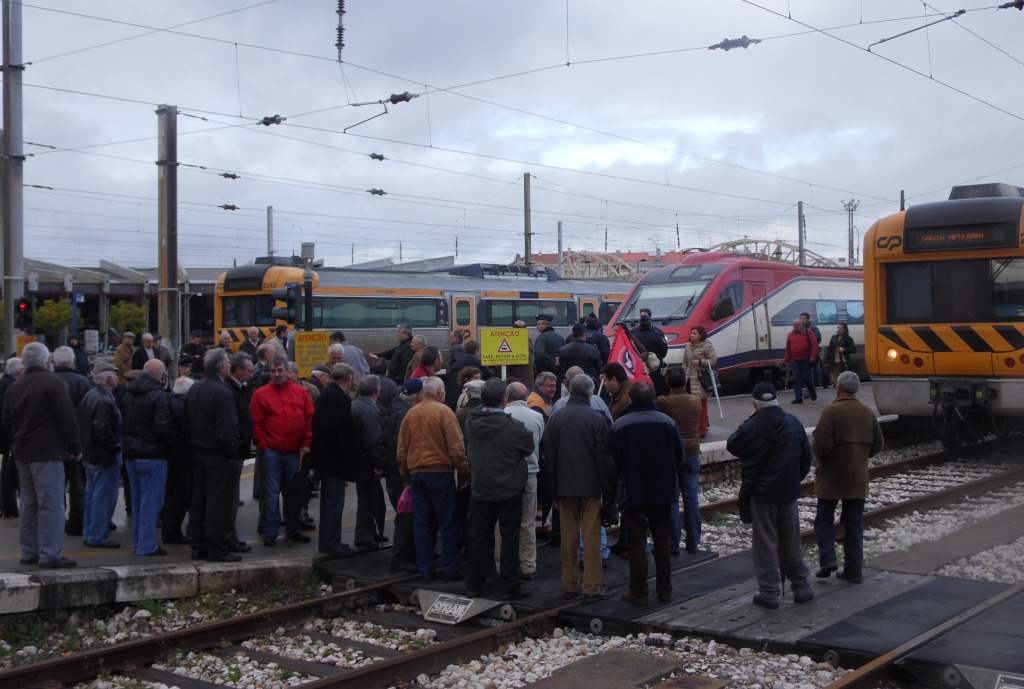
474 277
747 261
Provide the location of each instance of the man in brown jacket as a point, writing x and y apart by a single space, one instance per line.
847 434
430 445
684 409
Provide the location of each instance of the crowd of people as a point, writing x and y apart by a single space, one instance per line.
471 459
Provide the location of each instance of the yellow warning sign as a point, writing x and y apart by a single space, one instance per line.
504 346
311 349
24 340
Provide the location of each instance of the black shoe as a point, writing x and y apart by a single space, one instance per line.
381 539
240 547
106 544
156 553
814 396
29 560
200 554
299 537
841 574
528 576
593 597
367 545
804 599
270 541
111 526
343 551
826 571
62 563
307 526
569 595
764 602
798 401
226 558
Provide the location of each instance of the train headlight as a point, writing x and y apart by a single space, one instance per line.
891 355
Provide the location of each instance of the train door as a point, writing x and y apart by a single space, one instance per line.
759 310
588 305
464 314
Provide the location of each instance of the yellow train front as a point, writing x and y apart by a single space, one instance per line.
944 312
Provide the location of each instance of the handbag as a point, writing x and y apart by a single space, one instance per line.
704 378
405 502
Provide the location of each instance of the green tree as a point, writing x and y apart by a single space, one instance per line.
54 316
124 315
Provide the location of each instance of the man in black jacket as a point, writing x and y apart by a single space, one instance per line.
398 356
237 382
496 447
579 353
74 472
213 423
99 422
775 454
331 452
8 471
178 493
369 427
149 438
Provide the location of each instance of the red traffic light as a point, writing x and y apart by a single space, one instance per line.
22 306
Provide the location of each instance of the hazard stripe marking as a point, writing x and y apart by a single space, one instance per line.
933 341
1011 335
971 337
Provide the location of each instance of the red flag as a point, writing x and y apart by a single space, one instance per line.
624 353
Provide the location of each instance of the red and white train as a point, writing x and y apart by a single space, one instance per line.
748 306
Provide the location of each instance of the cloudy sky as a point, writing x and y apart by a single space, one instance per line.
629 126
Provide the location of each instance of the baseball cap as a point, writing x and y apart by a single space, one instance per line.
765 392
413 386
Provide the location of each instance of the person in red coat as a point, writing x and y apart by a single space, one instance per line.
282 415
802 353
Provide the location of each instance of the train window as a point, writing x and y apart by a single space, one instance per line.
669 301
607 310
371 312
827 312
501 312
854 312
966 291
244 312
734 292
463 313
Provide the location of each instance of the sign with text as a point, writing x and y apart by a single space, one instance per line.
24 340
310 349
504 346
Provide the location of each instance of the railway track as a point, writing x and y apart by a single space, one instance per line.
147 659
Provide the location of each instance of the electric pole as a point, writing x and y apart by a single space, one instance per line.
526 219
850 207
13 211
167 232
801 231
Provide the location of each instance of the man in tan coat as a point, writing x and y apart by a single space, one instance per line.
123 356
847 434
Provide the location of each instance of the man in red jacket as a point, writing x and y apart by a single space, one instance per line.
802 352
282 415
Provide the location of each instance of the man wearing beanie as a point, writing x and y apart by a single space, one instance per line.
773 448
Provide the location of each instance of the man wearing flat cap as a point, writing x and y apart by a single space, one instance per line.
123 355
546 347
195 346
775 454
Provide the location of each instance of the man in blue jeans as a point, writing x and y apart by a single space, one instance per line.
846 436
684 409
99 422
282 416
801 351
149 438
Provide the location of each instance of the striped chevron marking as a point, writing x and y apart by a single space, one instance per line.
956 338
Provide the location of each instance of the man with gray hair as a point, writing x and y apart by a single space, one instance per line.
596 403
40 420
99 421
353 356
419 343
8 472
577 474
398 356
146 352
515 406
775 455
846 436
74 472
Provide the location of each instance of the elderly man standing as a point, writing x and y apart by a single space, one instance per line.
368 423
40 421
577 475
497 446
430 446
515 406
149 439
333 454
398 356
546 347
74 472
252 342
846 436
99 421
144 353
772 446
123 356
282 413
648 456
419 343
213 425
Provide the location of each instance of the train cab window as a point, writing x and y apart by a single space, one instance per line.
373 312
827 312
505 312
729 302
243 312
606 310
966 291
463 313
1008 288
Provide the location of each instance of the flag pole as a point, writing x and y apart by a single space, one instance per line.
714 386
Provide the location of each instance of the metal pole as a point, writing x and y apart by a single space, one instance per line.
13 175
526 219
270 230
850 207
561 261
800 230
167 248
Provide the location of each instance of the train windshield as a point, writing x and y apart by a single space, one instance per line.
674 300
967 290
